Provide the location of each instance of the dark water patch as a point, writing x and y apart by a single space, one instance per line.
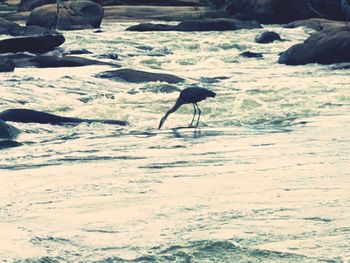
40 240
215 251
166 165
103 231
143 259
96 97
212 80
319 219
41 260
98 158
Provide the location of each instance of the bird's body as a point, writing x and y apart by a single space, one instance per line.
189 95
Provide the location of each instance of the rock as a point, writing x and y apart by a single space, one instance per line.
143 27
45 61
216 24
270 11
79 14
154 2
267 37
7 131
6 65
34 116
248 54
210 24
328 9
325 47
137 76
19 59
33 44
38 30
317 24
9 28
9 144
113 56
77 52
22 60
28 5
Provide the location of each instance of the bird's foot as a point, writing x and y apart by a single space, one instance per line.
193 126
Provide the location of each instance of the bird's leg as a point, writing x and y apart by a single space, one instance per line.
199 114
194 114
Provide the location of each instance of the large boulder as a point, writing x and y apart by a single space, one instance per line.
325 47
72 15
267 37
137 76
210 24
29 5
317 24
331 9
33 44
9 28
270 11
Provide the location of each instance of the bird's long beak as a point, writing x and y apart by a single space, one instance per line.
178 103
163 120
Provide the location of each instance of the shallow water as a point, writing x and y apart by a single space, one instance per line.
264 179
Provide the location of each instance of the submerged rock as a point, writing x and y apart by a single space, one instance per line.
325 47
212 24
248 54
9 144
73 15
6 65
7 131
267 37
32 44
138 76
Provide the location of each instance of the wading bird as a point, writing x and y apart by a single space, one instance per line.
189 95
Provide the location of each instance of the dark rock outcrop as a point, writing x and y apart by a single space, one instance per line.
45 61
154 2
270 11
144 27
248 54
210 24
325 47
6 65
72 15
267 37
28 5
317 24
33 116
328 9
9 28
22 60
137 76
7 131
33 44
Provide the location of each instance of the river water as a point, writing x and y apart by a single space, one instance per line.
264 179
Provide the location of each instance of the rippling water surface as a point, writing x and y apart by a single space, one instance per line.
264 179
